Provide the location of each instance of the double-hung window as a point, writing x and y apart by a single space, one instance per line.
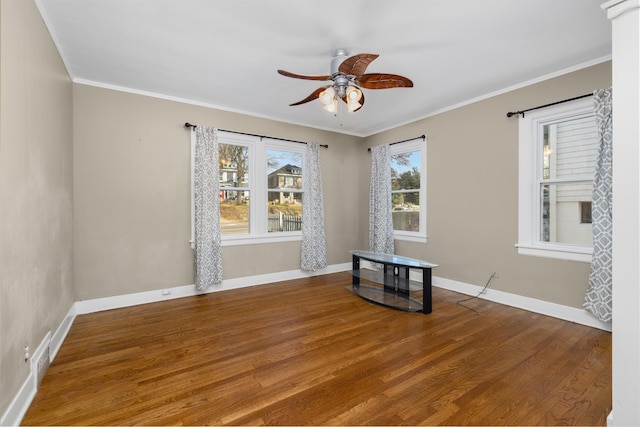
260 189
558 150
408 190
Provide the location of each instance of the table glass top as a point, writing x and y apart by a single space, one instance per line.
392 259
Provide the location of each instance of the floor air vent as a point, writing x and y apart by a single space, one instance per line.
42 364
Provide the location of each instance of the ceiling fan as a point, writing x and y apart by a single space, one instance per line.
348 76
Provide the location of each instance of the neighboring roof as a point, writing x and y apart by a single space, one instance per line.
287 169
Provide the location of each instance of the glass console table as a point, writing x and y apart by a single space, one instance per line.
394 278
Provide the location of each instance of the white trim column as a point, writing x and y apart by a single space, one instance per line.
625 17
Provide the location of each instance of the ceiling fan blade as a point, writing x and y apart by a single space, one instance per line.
300 76
312 97
361 103
383 81
357 64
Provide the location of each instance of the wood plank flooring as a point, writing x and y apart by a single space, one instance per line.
309 352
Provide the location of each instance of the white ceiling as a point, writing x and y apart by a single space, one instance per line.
225 53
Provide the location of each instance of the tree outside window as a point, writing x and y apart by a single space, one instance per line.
234 189
405 191
408 189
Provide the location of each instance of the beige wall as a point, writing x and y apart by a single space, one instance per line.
131 193
36 284
472 193
131 189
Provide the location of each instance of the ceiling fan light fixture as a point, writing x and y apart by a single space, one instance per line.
353 94
332 106
327 96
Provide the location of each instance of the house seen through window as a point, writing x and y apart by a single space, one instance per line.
558 150
284 186
234 189
260 188
568 150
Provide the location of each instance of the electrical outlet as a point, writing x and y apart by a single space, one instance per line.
26 354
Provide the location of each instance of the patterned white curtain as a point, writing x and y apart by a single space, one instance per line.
599 294
207 247
380 220
314 250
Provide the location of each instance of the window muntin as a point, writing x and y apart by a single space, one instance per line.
558 148
408 189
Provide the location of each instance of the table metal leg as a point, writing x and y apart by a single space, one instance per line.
426 290
355 278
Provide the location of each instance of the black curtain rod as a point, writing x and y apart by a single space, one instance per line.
404 140
189 125
513 113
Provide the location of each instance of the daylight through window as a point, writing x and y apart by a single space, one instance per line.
234 189
284 186
558 150
408 184
568 150
260 189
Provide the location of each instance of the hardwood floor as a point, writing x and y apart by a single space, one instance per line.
309 352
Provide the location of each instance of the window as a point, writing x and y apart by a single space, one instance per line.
284 187
585 212
558 149
234 188
408 190
260 189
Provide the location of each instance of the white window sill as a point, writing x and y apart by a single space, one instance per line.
410 238
568 253
260 239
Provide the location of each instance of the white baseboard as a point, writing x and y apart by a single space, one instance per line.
571 314
559 311
61 333
127 300
21 402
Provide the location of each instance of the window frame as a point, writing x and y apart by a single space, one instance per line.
418 144
530 165
258 188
